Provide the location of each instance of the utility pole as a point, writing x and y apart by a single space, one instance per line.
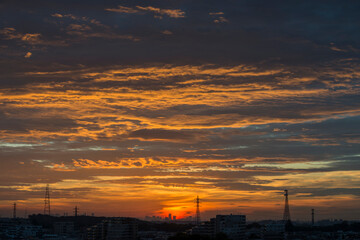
76 211
14 210
312 217
47 201
197 218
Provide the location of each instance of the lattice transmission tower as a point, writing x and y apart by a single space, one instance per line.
286 216
47 201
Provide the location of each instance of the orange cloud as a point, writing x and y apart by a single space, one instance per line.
28 55
30 38
117 111
159 12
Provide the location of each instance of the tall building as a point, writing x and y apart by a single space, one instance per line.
205 229
18 229
232 225
274 231
113 229
64 228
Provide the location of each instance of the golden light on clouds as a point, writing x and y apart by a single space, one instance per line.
135 109
28 55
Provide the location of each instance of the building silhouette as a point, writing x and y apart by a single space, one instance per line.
113 229
233 226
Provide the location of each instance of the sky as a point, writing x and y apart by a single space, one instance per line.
133 108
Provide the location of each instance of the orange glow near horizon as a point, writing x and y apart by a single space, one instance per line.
132 199
132 151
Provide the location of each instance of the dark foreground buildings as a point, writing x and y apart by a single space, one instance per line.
113 229
222 227
233 226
